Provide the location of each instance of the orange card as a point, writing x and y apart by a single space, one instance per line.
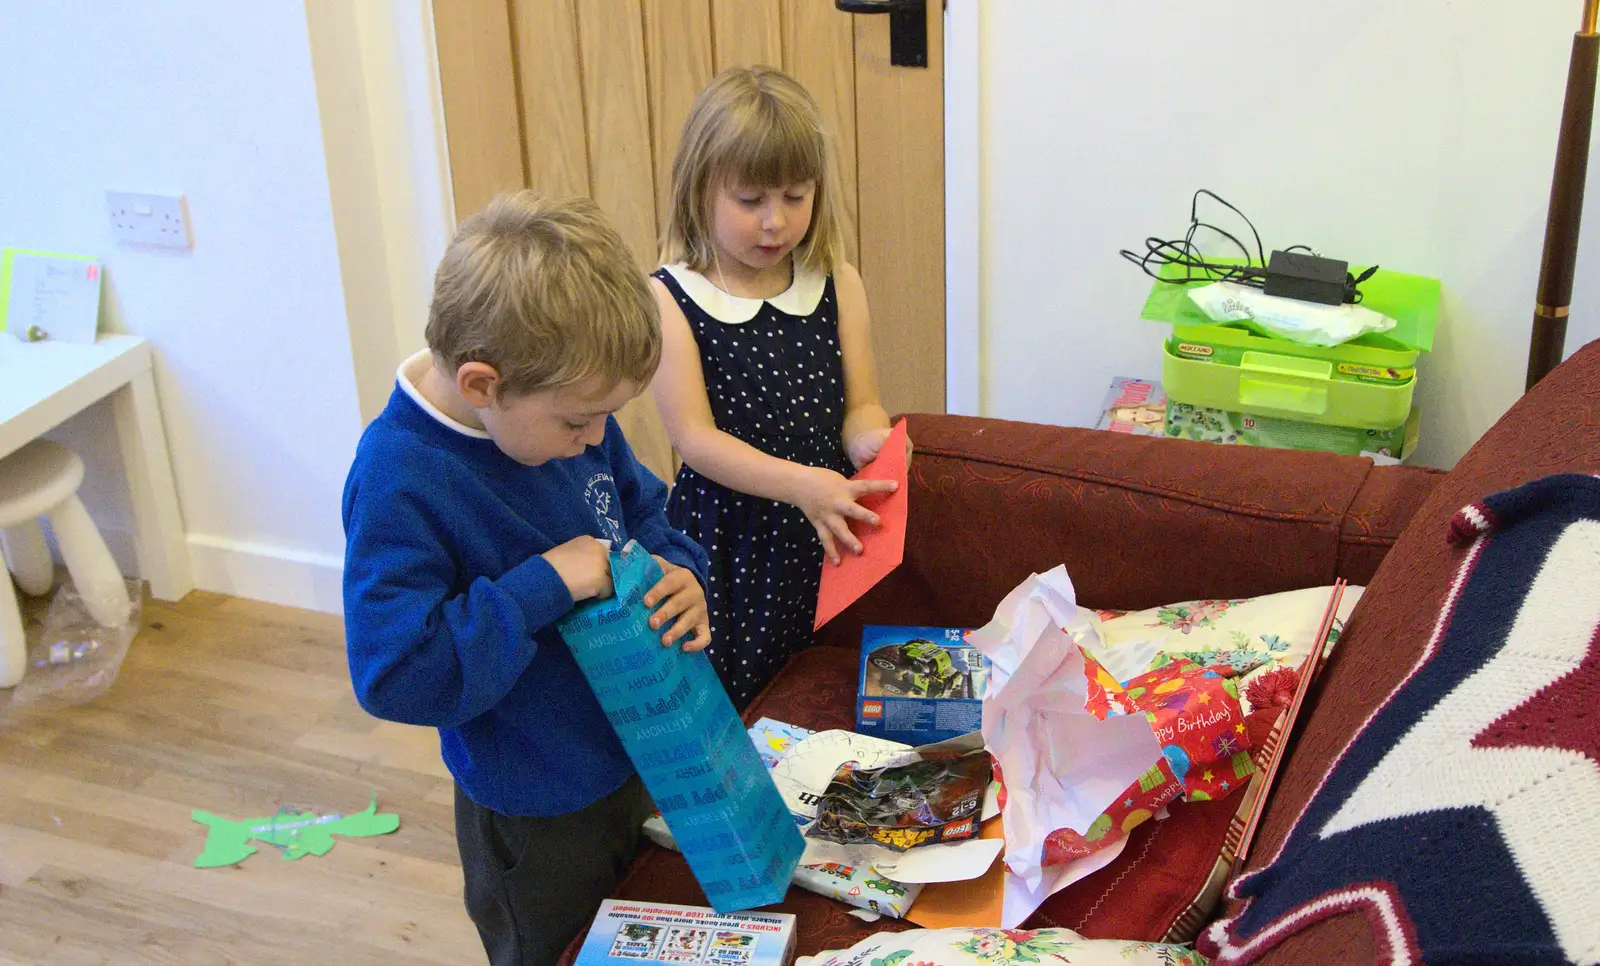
883 548
971 904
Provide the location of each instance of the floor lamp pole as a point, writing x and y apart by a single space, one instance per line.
1566 203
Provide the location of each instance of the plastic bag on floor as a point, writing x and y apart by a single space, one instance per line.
75 659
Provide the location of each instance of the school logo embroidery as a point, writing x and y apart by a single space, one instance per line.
1460 820
601 495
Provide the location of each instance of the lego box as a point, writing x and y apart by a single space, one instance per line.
919 685
642 933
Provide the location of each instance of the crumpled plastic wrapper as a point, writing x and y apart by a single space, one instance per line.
76 659
923 802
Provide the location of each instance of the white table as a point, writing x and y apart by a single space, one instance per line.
43 384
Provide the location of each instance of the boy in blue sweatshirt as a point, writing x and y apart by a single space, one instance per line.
480 508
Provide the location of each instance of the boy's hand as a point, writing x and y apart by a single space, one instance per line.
829 502
681 597
584 565
865 447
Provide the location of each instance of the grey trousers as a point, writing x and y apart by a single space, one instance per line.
532 884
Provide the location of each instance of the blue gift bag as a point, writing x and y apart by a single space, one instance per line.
691 749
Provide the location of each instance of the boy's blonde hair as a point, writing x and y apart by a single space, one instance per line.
546 292
753 127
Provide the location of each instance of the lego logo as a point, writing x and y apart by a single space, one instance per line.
1190 349
958 830
872 709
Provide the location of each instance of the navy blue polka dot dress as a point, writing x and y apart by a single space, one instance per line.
775 379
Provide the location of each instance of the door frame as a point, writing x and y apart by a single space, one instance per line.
963 207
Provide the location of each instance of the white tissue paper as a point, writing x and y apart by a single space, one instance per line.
1061 765
1308 323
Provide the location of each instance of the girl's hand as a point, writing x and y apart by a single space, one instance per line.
829 502
865 447
681 596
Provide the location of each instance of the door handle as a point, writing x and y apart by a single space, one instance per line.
908 27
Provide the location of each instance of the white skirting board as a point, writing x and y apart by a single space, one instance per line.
255 571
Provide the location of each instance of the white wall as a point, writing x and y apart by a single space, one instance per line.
218 102
1417 135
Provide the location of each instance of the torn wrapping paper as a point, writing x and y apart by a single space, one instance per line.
1205 750
1062 766
1138 803
1195 714
864 888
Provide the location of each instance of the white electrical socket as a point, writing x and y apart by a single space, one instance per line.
151 220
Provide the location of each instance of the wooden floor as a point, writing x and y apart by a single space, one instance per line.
238 708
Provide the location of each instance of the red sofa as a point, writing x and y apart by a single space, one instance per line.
1140 522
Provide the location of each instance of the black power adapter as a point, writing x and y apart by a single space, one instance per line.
1307 277
1294 272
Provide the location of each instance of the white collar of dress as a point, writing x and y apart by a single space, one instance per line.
799 299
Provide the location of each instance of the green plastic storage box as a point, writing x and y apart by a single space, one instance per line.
1184 421
1366 383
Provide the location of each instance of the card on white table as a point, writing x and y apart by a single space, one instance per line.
58 294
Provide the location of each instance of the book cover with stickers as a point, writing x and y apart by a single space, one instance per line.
1136 406
646 932
919 685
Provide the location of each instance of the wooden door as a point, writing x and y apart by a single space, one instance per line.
589 97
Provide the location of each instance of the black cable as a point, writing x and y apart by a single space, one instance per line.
1185 253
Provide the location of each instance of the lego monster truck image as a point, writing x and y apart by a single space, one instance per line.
920 668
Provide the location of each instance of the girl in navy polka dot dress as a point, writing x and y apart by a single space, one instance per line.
767 384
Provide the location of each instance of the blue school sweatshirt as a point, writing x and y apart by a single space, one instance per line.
450 610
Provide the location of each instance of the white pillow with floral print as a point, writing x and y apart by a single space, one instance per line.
1257 636
1000 947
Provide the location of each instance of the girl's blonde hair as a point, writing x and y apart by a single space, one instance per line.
755 127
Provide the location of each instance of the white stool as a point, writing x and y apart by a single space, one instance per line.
42 479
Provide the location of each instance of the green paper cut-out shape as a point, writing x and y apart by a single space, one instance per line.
295 833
